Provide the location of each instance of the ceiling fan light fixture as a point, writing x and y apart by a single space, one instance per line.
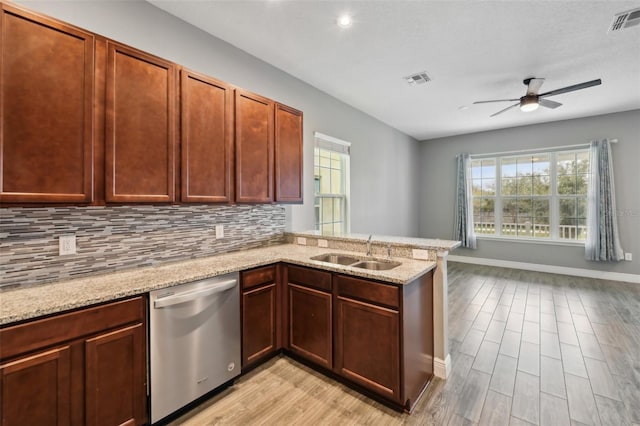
529 103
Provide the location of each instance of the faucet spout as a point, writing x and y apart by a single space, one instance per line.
369 245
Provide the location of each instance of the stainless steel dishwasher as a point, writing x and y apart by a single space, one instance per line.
194 341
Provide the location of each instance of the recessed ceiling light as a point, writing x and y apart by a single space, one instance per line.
344 21
463 108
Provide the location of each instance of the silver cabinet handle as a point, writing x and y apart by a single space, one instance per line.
188 296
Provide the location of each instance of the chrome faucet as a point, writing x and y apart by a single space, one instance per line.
369 245
389 250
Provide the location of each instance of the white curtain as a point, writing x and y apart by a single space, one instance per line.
463 227
603 241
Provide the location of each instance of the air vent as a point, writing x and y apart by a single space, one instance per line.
625 20
419 78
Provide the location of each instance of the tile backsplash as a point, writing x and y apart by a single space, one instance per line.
121 237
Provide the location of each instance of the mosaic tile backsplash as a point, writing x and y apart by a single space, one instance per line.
115 238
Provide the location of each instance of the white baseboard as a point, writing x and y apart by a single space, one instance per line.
441 368
577 272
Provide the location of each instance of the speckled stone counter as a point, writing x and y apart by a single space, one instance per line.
39 300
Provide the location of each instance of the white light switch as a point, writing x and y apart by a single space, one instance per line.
628 256
219 231
66 245
420 254
302 241
323 243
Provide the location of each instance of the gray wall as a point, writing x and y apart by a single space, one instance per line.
438 178
384 160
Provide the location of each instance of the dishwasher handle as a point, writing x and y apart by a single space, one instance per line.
188 296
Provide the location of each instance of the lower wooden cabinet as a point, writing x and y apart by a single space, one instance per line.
82 367
368 346
260 314
309 324
36 389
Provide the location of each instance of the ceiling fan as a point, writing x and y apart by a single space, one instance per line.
532 99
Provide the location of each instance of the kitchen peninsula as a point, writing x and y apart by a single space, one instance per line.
294 256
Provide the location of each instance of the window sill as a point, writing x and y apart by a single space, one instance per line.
532 241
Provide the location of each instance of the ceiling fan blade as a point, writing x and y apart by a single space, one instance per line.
572 88
497 100
506 109
534 86
549 104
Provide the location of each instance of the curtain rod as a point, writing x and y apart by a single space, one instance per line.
536 150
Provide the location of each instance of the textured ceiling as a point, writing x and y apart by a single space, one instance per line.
472 50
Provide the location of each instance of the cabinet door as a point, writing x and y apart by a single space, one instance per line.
288 154
254 148
259 325
206 139
140 127
46 101
35 390
310 324
115 377
368 346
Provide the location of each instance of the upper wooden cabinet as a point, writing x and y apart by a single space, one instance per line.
46 110
288 155
206 139
140 127
254 148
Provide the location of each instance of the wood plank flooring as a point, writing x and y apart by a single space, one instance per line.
526 348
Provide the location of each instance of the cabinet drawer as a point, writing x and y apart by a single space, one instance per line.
309 277
23 338
258 276
383 294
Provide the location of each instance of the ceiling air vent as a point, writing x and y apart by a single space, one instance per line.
419 78
625 20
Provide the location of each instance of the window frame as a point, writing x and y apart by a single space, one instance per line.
554 196
342 148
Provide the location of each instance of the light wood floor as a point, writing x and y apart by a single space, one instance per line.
527 348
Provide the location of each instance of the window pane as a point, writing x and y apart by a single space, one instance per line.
476 187
525 185
325 181
524 166
567 210
476 169
525 226
582 208
489 186
336 182
541 185
582 162
327 210
566 163
325 161
541 164
525 207
566 184
541 208
509 186
582 181
508 167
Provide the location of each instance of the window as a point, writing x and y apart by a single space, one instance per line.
536 196
331 179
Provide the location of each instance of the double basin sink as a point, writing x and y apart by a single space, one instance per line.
346 260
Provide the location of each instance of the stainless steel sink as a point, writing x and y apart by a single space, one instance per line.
339 259
371 264
376 265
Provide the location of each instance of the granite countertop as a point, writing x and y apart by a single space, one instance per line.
410 242
44 299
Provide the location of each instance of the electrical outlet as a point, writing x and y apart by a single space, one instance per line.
323 243
66 245
302 241
219 231
420 254
628 256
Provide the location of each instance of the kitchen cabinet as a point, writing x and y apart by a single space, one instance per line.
260 314
206 139
288 154
82 367
140 127
254 148
46 110
309 319
368 335
384 336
